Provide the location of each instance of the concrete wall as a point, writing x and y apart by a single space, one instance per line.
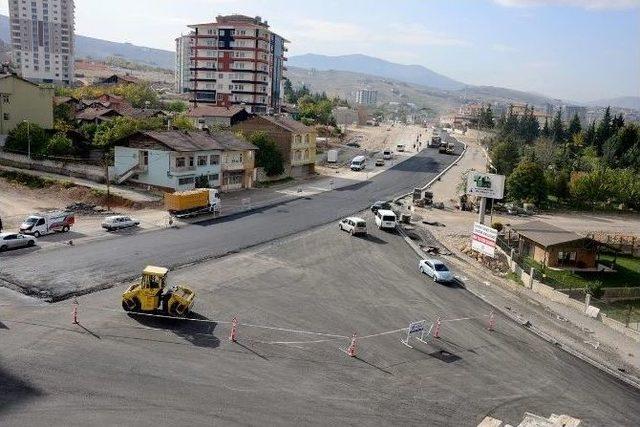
78 170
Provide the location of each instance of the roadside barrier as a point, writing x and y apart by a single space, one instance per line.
414 328
436 332
234 330
351 350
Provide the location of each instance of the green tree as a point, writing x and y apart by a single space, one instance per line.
182 122
25 134
590 135
557 128
63 112
546 131
176 106
268 155
59 145
604 131
504 157
121 127
527 183
617 123
574 126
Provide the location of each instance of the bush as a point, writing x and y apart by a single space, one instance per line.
30 181
268 156
59 145
497 225
19 138
595 289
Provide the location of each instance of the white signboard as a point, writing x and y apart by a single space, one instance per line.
484 239
485 185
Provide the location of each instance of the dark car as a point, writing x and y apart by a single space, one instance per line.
380 205
352 144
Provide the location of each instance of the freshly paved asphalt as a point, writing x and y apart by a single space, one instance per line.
113 369
63 272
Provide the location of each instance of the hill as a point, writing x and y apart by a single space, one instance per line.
89 47
415 74
632 102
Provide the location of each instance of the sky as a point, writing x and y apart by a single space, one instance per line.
577 50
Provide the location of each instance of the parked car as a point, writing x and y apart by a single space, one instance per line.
387 154
48 222
15 240
358 163
353 144
116 222
400 148
354 225
386 219
380 204
436 270
379 161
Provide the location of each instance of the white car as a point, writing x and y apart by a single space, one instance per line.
116 222
354 225
15 240
379 161
436 270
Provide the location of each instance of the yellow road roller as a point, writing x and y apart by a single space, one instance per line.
151 294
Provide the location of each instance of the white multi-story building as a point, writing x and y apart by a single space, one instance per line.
366 97
236 60
182 72
42 39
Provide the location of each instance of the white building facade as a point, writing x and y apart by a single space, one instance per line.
182 72
366 97
42 43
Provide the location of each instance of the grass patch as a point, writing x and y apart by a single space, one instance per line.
516 278
622 311
267 184
31 181
627 274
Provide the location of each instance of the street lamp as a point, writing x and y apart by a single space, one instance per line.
28 138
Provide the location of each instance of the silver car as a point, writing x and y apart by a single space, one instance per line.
436 269
15 240
116 222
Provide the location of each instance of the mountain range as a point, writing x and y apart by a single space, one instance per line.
358 68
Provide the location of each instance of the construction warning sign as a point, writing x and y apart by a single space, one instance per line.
484 239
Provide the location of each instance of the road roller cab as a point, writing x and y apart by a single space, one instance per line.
151 294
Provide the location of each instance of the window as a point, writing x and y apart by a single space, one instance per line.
185 181
298 139
214 159
202 160
191 159
5 99
180 162
214 177
5 116
306 139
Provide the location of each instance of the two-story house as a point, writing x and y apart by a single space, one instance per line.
21 100
210 116
295 141
174 160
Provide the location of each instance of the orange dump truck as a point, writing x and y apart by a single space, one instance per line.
193 202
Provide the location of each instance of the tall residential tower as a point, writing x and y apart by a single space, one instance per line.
235 60
42 39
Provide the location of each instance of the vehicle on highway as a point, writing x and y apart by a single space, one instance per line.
386 219
151 294
115 222
446 148
182 204
380 204
400 148
358 163
353 144
15 241
47 222
354 225
379 161
436 270
387 154
435 142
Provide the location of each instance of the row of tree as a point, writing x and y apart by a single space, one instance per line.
596 166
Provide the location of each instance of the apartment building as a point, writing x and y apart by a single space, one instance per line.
366 97
236 60
182 72
42 39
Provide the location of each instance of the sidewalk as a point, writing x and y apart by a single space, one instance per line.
124 192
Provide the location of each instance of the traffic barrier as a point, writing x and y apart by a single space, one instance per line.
234 330
74 312
414 328
351 350
436 332
492 321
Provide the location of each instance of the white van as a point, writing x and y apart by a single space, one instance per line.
46 223
358 163
400 148
387 154
385 219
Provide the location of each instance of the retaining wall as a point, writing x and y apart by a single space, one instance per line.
68 168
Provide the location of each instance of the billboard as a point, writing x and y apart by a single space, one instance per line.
483 239
485 185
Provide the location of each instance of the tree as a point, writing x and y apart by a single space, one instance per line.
63 112
268 155
546 132
25 134
617 123
122 127
574 126
557 128
604 131
182 122
504 157
527 183
59 145
176 106
590 135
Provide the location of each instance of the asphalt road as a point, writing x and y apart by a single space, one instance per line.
60 273
113 369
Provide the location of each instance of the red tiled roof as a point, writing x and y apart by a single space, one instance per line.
213 111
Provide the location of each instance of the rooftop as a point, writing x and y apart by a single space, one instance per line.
189 141
213 111
288 124
546 234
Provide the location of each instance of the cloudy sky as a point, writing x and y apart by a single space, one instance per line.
573 49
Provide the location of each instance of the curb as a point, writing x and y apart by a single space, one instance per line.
632 381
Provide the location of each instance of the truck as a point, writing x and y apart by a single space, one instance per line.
40 224
184 204
446 148
435 142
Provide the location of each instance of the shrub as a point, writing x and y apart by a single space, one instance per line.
268 155
595 289
59 145
497 225
24 134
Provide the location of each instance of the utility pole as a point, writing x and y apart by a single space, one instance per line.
481 211
28 138
106 174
